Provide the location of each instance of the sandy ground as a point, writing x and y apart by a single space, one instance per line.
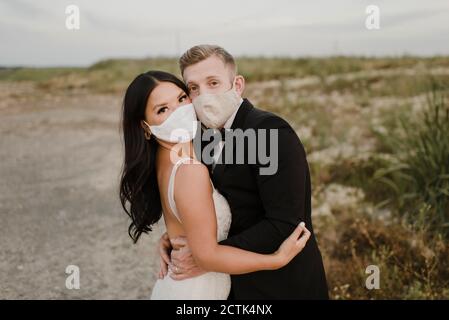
60 162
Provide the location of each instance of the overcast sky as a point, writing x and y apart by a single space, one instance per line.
34 33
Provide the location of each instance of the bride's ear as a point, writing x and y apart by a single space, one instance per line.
146 129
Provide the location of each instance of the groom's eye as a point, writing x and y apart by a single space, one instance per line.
193 88
214 83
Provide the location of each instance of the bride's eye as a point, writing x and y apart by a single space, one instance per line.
162 110
182 98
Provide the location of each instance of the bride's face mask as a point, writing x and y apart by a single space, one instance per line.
179 127
214 109
170 114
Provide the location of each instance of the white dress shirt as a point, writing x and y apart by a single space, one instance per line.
227 125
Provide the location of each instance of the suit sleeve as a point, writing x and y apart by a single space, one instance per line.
283 194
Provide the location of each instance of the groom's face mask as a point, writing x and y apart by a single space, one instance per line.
214 109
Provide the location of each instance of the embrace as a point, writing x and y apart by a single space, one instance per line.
238 227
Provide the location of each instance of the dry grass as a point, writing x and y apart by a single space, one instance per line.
346 112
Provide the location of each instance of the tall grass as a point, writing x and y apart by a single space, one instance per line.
418 173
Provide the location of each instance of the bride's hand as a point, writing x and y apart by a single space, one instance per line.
164 249
292 245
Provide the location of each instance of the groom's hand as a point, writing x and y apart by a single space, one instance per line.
183 266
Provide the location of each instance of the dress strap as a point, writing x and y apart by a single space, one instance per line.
171 187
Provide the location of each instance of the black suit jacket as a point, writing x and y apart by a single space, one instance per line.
267 208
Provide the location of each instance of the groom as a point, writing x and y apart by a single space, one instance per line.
265 208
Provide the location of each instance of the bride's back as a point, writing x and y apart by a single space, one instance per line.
164 169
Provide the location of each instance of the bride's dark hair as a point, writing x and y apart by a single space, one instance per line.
138 181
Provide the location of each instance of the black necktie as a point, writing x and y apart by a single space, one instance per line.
223 134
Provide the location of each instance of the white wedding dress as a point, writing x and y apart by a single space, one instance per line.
211 285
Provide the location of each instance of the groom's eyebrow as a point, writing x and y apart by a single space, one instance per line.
207 78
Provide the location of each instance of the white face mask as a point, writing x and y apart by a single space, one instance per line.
179 127
213 110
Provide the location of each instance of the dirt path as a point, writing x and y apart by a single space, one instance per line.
60 161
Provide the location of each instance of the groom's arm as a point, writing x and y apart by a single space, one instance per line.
283 194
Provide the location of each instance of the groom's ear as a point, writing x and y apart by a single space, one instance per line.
239 84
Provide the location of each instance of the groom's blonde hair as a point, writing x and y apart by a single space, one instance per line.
204 51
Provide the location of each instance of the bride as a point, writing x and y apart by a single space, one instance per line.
162 176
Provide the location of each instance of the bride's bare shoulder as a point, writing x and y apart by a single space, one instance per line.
192 173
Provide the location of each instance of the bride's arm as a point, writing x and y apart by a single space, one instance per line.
193 196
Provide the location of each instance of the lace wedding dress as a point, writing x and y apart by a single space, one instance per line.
211 285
